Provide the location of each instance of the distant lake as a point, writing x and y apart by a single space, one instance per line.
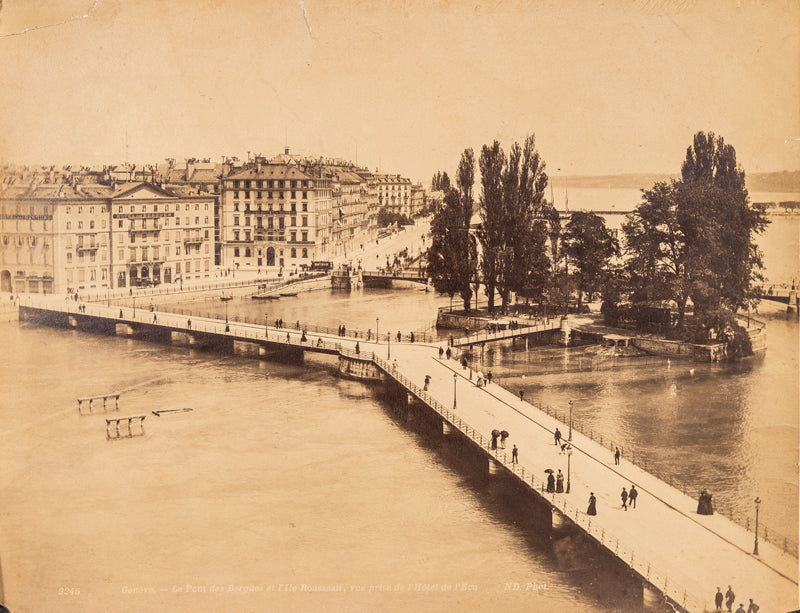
780 243
608 199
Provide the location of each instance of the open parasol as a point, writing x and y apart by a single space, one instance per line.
549 470
495 432
504 433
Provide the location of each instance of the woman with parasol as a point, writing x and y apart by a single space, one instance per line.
503 437
551 481
592 510
495 434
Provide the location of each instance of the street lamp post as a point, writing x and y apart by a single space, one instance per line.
755 547
226 312
266 324
388 345
569 457
570 421
134 307
455 380
377 330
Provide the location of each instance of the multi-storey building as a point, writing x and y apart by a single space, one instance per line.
60 237
394 193
275 214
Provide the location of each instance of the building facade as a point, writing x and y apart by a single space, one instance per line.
61 237
275 215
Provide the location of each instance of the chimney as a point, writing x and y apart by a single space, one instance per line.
286 151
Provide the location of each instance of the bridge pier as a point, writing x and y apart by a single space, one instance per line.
277 352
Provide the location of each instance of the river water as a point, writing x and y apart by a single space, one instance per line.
287 488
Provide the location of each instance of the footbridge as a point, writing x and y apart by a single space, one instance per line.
788 297
677 556
379 278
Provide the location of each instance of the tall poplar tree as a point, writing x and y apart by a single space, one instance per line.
493 220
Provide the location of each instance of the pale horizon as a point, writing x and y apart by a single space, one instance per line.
607 87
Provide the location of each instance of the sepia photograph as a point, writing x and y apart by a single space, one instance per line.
416 305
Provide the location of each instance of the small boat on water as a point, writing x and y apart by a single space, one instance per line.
288 294
265 296
226 298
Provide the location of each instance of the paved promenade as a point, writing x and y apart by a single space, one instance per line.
681 553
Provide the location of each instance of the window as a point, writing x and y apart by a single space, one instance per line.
236 252
121 254
235 220
91 224
304 220
80 209
247 221
293 221
197 221
305 252
305 236
69 210
93 275
178 252
80 224
247 252
120 223
236 235
196 206
91 209
294 253
144 253
293 236
69 258
69 225
206 235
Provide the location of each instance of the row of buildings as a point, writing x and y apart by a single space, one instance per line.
95 228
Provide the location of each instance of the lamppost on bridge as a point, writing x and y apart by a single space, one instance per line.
569 457
377 330
134 306
569 438
455 380
266 324
755 547
388 345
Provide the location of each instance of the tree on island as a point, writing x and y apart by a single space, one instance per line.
513 232
695 238
452 256
590 246
493 219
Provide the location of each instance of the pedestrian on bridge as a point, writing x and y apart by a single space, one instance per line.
557 436
753 608
488 377
427 383
730 598
441 351
718 599
358 348
522 395
624 496
633 494
592 510
515 455
740 609
411 337
449 353
399 336
560 482
616 455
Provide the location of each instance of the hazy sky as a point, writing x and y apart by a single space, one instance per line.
607 87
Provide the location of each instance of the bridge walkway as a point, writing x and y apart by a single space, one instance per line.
683 554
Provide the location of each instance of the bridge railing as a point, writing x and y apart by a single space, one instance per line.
520 329
788 544
672 584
